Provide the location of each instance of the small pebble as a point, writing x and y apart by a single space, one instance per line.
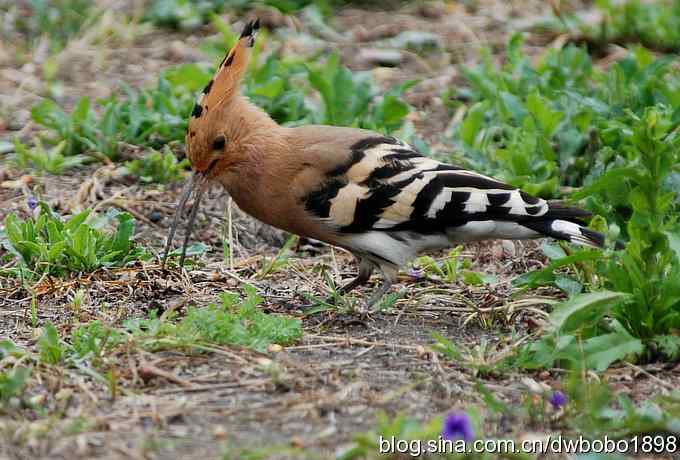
155 216
37 400
6 147
274 348
219 432
417 40
382 57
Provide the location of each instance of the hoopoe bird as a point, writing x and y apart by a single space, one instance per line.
373 195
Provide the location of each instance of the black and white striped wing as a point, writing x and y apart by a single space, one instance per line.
388 186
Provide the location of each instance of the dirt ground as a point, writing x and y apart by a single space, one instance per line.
347 368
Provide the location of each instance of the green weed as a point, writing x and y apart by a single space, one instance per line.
77 129
13 383
563 123
544 126
50 160
280 260
639 316
56 20
571 273
153 117
149 118
50 346
275 86
182 14
453 268
235 322
335 301
349 99
157 167
90 341
585 407
655 26
47 244
446 347
597 409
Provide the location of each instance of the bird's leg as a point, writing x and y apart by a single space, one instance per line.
365 270
389 277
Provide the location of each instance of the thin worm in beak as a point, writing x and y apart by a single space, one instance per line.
184 197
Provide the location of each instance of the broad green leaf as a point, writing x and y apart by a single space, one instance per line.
81 111
13 229
569 285
49 345
512 107
584 309
55 251
123 237
75 221
472 123
546 118
553 251
601 351
49 114
674 242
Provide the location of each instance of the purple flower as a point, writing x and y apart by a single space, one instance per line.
558 399
417 273
32 203
457 425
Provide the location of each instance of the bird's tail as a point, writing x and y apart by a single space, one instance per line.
566 223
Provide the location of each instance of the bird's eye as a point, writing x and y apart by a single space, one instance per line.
218 143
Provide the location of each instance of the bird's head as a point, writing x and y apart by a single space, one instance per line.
214 121
215 128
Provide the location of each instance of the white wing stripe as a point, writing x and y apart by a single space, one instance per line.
477 202
439 202
344 204
401 210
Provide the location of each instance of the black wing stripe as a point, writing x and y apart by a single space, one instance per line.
357 156
318 202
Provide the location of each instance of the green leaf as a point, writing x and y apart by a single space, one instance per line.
12 382
81 112
55 251
49 114
512 107
49 345
76 221
669 345
123 237
603 350
674 242
553 251
569 285
539 108
584 310
472 124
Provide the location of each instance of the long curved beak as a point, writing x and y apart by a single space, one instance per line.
196 183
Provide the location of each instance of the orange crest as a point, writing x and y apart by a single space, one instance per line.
224 83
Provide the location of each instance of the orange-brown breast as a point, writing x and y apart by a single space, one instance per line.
285 165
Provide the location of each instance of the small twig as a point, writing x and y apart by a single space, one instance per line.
666 385
352 341
150 369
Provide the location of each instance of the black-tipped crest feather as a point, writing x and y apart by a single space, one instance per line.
249 31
